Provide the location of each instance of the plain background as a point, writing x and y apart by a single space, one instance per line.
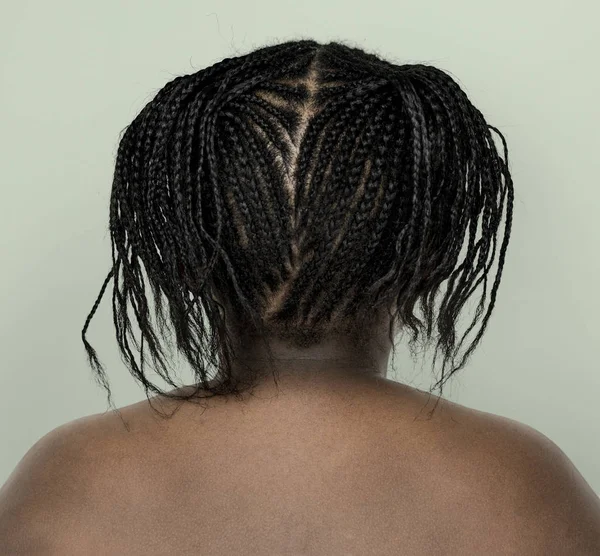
74 74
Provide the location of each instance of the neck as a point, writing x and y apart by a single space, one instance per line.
337 356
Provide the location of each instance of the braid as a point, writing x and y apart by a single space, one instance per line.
354 233
364 214
334 204
304 186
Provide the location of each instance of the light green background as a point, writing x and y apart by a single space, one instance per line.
75 73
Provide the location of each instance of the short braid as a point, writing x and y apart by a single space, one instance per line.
293 192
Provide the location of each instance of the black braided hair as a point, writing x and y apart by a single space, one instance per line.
298 189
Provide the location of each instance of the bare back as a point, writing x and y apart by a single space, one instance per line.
351 471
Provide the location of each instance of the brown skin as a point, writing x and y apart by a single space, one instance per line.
337 459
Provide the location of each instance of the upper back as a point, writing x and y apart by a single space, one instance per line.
339 474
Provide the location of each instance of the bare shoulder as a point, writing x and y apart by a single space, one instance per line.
522 486
61 479
502 482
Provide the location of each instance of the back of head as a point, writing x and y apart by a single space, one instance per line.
298 191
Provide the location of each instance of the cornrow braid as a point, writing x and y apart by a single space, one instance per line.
369 216
294 191
328 210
